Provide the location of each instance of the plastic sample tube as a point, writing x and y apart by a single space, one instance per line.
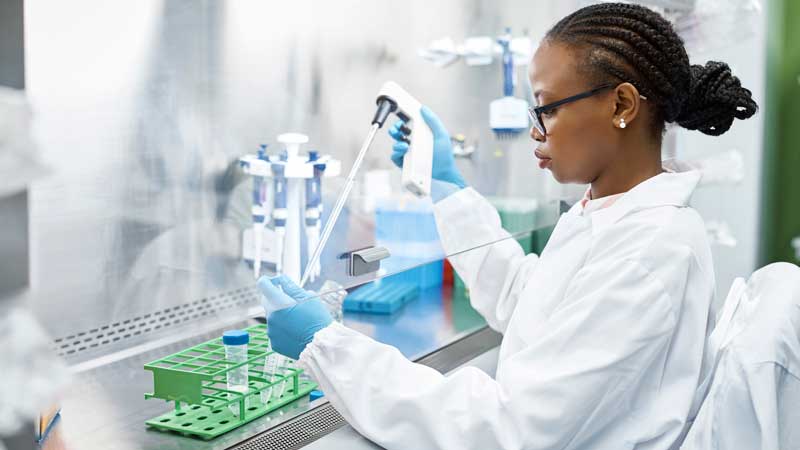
235 342
273 360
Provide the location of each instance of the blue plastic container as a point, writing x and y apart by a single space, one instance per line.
381 297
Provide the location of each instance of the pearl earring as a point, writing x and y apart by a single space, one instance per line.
622 123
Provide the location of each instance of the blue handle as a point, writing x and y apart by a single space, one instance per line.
314 185
508 64
508 80
257 181
280 186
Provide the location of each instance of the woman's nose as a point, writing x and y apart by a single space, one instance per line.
536 135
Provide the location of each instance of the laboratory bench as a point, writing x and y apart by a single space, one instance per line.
105 407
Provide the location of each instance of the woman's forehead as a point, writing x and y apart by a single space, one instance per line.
554 70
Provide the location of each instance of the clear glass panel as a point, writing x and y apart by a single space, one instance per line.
143 114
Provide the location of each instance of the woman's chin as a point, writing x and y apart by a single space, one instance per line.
559 176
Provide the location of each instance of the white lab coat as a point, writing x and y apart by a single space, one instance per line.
603 334
753 400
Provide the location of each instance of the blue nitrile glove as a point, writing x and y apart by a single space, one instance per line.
292 328
444 164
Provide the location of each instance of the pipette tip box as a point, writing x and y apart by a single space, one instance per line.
381 297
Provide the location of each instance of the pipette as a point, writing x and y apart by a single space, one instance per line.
417 162
258 215
314 209
279 213
337 208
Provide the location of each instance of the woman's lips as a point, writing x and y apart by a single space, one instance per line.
544 161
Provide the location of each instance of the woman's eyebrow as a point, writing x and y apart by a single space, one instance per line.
537 95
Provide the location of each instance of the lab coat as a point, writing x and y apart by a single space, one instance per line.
753 400
603 334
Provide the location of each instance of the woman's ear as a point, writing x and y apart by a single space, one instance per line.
627 105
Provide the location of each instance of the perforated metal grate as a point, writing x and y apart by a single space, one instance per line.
153 322
298 432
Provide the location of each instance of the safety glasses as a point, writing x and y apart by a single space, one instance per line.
536 113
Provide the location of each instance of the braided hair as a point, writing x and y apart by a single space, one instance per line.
631 43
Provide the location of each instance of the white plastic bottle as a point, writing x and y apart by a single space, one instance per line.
235 342
273 361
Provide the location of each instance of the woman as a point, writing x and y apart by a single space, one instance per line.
604 332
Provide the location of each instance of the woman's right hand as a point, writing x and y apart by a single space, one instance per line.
444 165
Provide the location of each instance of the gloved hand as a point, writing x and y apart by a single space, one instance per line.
444 165
291 329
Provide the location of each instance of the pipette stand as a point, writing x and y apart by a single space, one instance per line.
297 168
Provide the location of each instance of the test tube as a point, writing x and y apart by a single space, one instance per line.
274 360
235 342
271 364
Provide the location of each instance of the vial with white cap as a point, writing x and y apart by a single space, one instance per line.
235 342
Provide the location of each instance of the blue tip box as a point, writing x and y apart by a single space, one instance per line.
381 297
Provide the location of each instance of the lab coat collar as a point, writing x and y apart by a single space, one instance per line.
665 189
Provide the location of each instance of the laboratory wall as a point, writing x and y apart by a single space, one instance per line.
730 200
14 203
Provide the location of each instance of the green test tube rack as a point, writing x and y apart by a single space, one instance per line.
195 379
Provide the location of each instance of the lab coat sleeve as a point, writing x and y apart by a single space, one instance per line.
577 375
495 274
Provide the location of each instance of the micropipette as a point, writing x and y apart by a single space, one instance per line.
258 215
314 209
279 213
417 162
337 208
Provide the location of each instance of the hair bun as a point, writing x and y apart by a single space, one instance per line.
716 98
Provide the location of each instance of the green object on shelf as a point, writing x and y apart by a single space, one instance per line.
196 380
540 238
463 314
460 291
518 217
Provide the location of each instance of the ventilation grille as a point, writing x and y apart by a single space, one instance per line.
297 433
150 323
